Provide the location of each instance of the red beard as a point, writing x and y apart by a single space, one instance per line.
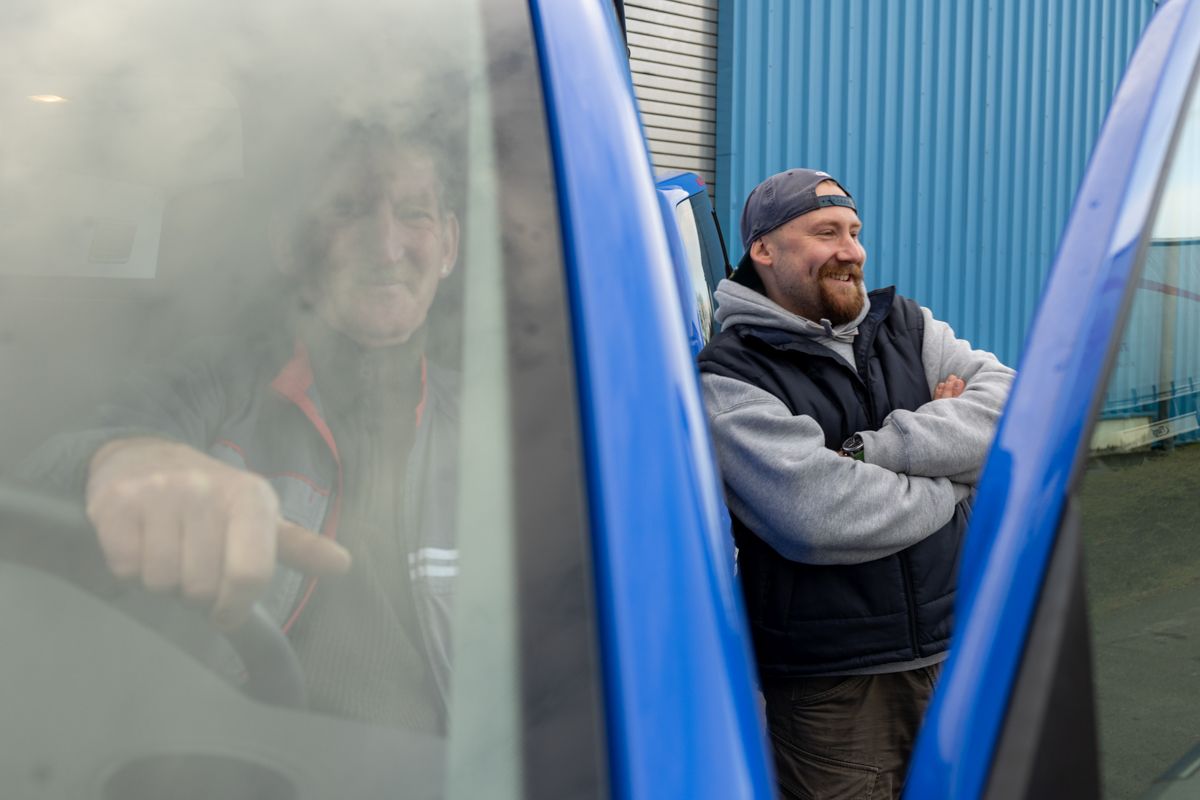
839 308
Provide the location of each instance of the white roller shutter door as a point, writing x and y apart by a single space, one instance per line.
673 58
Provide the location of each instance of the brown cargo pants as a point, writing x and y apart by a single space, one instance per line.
846 737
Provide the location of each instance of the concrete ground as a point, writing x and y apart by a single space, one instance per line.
1141 524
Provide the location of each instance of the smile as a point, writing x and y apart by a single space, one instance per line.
384 281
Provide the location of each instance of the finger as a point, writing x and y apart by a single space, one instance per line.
249 559
119 530
310 552
939 391
203 552
161 544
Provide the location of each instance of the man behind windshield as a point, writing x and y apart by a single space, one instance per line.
323 447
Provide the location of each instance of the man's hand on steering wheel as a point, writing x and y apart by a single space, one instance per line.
178 519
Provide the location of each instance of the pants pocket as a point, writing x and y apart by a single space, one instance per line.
811 776
812 691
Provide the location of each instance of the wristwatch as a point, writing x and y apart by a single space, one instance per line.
853 447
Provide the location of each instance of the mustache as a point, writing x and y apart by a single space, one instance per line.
383 272
832 268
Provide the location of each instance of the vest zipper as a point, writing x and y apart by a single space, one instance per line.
862 375
911 602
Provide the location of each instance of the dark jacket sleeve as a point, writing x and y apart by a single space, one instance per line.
184 402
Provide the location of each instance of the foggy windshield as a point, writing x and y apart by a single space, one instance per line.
257 301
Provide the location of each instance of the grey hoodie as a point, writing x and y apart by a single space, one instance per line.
817 507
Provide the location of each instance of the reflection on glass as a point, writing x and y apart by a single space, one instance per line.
690 235
1140 503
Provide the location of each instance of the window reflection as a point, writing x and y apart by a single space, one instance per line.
1140 501
690 235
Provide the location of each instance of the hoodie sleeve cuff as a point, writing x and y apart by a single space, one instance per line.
61 464
886 448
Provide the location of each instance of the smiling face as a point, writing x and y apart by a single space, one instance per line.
813 265
382 240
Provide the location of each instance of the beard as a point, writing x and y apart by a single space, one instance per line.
837 305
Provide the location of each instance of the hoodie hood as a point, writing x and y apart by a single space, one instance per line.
741 305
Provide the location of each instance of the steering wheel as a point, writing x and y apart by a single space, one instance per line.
55 536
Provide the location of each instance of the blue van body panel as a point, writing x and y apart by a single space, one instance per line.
690 182
679 691
1046 426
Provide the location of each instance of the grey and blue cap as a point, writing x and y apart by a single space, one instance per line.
783 197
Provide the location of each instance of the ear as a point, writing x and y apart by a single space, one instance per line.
449 244
761 252
762 257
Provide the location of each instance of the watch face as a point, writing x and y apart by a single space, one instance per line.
853 444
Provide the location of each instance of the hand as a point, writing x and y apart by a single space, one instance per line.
953 386
176 518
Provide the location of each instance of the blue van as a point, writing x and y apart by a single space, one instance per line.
1074 666
229 229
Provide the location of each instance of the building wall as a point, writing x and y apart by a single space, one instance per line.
673 59
962 127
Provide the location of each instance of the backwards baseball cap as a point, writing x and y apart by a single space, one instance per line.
781 198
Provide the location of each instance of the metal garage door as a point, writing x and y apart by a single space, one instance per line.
673 57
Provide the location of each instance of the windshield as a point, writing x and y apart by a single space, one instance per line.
291 500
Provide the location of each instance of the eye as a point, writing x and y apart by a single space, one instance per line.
415 216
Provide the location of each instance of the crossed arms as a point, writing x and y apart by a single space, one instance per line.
814 506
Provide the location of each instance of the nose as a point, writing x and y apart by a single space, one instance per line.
385 235
850 249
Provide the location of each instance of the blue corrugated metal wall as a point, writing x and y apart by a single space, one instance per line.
962 127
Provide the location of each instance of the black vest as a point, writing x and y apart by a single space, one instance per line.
810 619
